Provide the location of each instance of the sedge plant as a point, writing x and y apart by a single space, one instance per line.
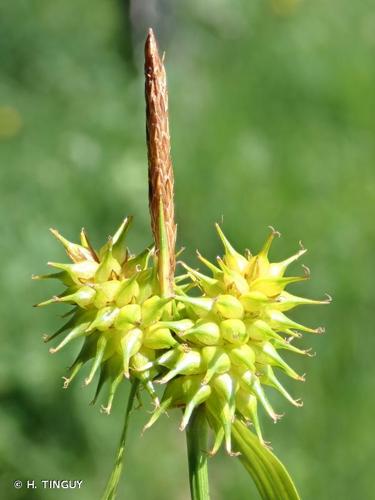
212 339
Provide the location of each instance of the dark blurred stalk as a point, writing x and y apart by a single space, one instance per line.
125 38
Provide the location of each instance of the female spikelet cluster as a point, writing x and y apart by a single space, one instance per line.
116 311
232 336
218 348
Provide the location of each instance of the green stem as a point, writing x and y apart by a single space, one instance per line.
196 437
111 488
164 269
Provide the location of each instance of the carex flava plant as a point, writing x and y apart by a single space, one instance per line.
212 340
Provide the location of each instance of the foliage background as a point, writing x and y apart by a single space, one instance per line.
272 113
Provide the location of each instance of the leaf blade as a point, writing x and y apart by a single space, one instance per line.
269 474
114 479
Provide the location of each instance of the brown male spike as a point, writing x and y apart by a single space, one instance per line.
160 169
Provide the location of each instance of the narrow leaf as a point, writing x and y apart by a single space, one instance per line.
111 487
269 474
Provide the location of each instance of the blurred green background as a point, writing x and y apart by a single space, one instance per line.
272 115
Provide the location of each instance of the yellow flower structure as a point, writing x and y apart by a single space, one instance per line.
116 311
218 349
232 337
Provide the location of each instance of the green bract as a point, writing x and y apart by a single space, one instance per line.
218 349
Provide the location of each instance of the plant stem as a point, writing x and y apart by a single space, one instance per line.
196 438
111 488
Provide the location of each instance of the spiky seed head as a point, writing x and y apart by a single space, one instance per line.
234 345
116 311
221 348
